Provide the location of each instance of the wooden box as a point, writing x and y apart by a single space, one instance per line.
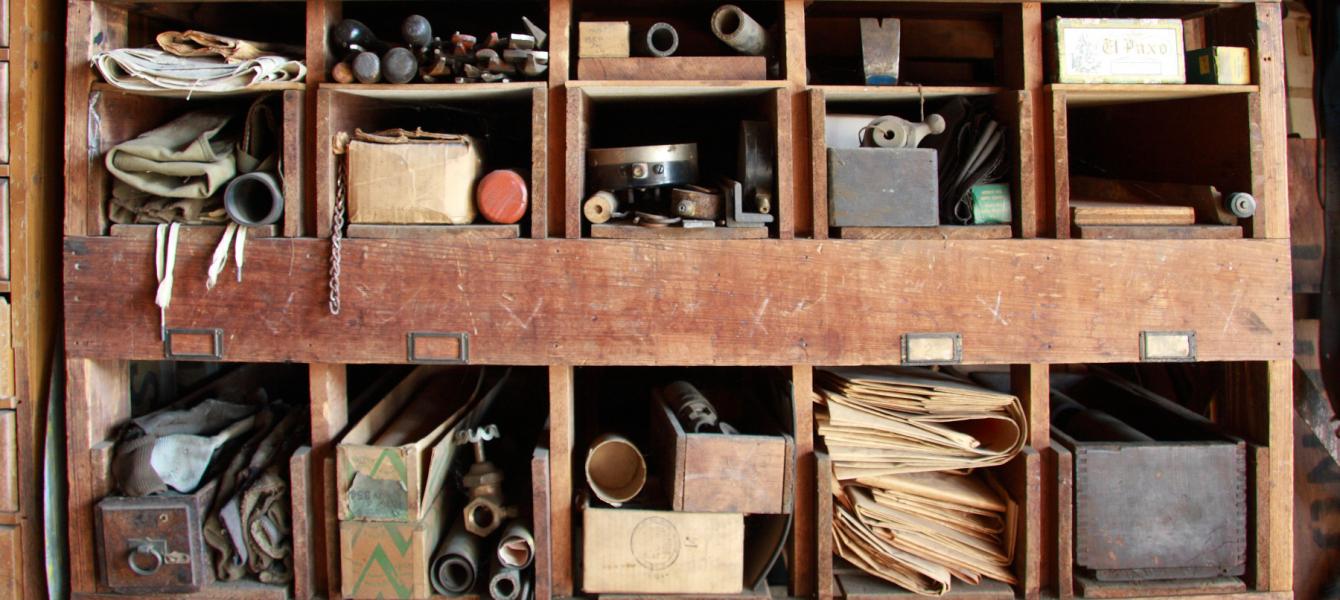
883 187
390 560
154 544
1116 50
660 552
1172 508
711 472
508 119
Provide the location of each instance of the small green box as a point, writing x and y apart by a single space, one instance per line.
1224 65
991 203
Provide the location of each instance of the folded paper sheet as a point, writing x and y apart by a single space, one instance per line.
901 441
153 70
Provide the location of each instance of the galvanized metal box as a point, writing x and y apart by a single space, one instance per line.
1171 508
883 187
1116 50
154 544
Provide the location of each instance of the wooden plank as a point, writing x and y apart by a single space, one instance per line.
771 302
98 398
11 561
148 232
1022 478
1098 212
943 232
10 483
826 581
433 233
784 206
1158 232
1258 517
560 34
305 562
1092 588
1307 219
237 590
793 51
1106 94
328 391
294 161
674 68
612 231
1032 384
1269 72
1061 516
858 585
1058 198
562 435
803 527
578 125
818 163
539 163
541 506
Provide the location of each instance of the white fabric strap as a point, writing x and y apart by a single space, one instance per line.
165 261
220 258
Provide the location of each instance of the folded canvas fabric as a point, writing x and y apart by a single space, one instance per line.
151 69
879 422
189 157
199 43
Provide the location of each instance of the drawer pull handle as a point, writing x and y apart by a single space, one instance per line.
155 560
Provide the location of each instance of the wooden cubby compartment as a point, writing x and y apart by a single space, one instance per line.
1021 477
135 389
612 116
1147 135
470 18
1008 108
757 401
117 116
1231 395
508 118
942 44
692 22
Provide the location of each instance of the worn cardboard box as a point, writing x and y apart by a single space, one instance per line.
1116 50
397 483
711 472
1223 65
661 552
413 183
390 560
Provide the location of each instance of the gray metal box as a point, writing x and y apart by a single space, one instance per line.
882 187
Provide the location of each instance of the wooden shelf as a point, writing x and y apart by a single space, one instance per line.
256 90
436 91
669 90
1094 94
843 93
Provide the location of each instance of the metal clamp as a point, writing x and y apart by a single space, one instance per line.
216 336
151 548
932 348
1168 346
462 343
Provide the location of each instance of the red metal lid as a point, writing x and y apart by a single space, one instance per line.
502 196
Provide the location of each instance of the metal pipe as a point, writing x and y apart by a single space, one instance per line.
516 547
254 199
505 584
456 562
615 469
661 40
739 31
1242 205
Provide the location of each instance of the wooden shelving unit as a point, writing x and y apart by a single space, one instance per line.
798 299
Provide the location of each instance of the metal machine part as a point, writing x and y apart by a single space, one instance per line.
646 219
695 202
895 132
641 167
740 31
539 34
694 411
456 563
485 511
254 199
660 40
880 49
1242 205
600 207
506 584
516 545
755 164
736 215
615 469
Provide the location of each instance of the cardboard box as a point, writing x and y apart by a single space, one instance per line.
661 552
379 483
1116 50
390 560
711 472
413 183
883 187
603 39
1223 65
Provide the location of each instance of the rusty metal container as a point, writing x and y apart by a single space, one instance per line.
154 544
1173 506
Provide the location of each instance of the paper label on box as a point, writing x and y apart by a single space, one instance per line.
1120 51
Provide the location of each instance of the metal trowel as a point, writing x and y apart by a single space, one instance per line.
181 460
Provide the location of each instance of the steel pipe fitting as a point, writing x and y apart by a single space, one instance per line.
254 199
661 40
739 31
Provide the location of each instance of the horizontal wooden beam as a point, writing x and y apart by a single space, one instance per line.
701 302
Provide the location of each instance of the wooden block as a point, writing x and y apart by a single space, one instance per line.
9 462
4 228
710 472
943 232
1092 588
1099 212
1307 219
539 478
1158 232
430 233
674 68
11 562
8 399
625 231
303 522
603 39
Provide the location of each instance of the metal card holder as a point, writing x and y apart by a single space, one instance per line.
418 354
1167 346
925 349
216 338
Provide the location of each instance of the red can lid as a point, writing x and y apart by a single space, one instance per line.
502 196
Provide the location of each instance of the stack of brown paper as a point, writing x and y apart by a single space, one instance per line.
901 441
879 422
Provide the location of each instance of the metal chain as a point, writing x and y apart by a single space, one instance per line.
337 235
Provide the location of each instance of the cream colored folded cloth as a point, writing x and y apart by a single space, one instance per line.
151 70
879 422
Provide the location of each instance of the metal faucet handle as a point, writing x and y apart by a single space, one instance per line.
478 435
